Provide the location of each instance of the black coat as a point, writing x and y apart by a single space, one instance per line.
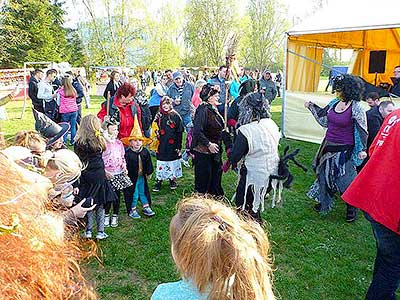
374 122
396 87
132 165
207 127
112 88
169 136
33 91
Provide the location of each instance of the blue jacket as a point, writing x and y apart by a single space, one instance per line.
185 106
216 81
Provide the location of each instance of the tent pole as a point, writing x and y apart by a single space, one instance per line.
284 79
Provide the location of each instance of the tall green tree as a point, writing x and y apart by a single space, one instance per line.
263 26
112 30
208 27
75 52
161 46
31 30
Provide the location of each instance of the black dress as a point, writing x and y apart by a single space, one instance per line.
93 182
170 136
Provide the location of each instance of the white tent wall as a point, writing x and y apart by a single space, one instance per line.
363 26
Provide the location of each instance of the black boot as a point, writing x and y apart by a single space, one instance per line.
351 213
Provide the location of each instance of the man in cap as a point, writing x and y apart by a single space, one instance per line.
182 92
267 86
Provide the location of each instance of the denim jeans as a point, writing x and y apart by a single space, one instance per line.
187 121
70 118
386 277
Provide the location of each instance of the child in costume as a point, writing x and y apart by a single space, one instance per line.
140 167
220 255
169 135
89 146
115 166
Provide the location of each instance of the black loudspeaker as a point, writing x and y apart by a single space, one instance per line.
377 62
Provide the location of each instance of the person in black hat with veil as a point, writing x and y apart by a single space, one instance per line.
255 150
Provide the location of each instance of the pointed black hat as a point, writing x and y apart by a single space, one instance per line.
48 128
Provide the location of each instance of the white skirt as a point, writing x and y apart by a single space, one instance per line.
169 169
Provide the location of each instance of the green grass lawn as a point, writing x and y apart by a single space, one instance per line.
315 257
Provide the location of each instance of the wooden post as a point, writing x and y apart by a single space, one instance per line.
108 102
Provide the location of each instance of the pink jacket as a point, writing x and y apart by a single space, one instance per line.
114 157
67 104
196 100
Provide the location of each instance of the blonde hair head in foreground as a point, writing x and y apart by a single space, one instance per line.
67 163
221 252
36 260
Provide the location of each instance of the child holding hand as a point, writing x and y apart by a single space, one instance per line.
115 167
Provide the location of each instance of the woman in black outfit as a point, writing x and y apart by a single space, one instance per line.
208 133
112 85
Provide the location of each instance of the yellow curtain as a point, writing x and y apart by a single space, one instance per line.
303 73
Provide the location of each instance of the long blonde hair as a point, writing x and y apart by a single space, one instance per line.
223 254
69 90
89 134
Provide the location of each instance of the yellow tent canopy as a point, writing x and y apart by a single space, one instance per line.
361 25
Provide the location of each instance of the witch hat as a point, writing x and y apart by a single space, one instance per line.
136 134
48 128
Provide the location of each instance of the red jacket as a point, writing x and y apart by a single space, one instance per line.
376 190
125 115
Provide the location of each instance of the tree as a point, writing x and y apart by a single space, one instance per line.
30 30
208 26
262 42
111 38
75 51
161 48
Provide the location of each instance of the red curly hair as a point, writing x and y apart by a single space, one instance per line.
125 90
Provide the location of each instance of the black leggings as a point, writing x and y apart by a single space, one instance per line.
239 199
115 204
208 173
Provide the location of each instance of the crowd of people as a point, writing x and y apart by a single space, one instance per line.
111 158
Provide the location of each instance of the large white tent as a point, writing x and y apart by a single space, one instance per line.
361 25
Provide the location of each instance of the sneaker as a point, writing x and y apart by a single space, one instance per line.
172 184
157 186
134 214
106 220
87 234
114 221
147 211
101 235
